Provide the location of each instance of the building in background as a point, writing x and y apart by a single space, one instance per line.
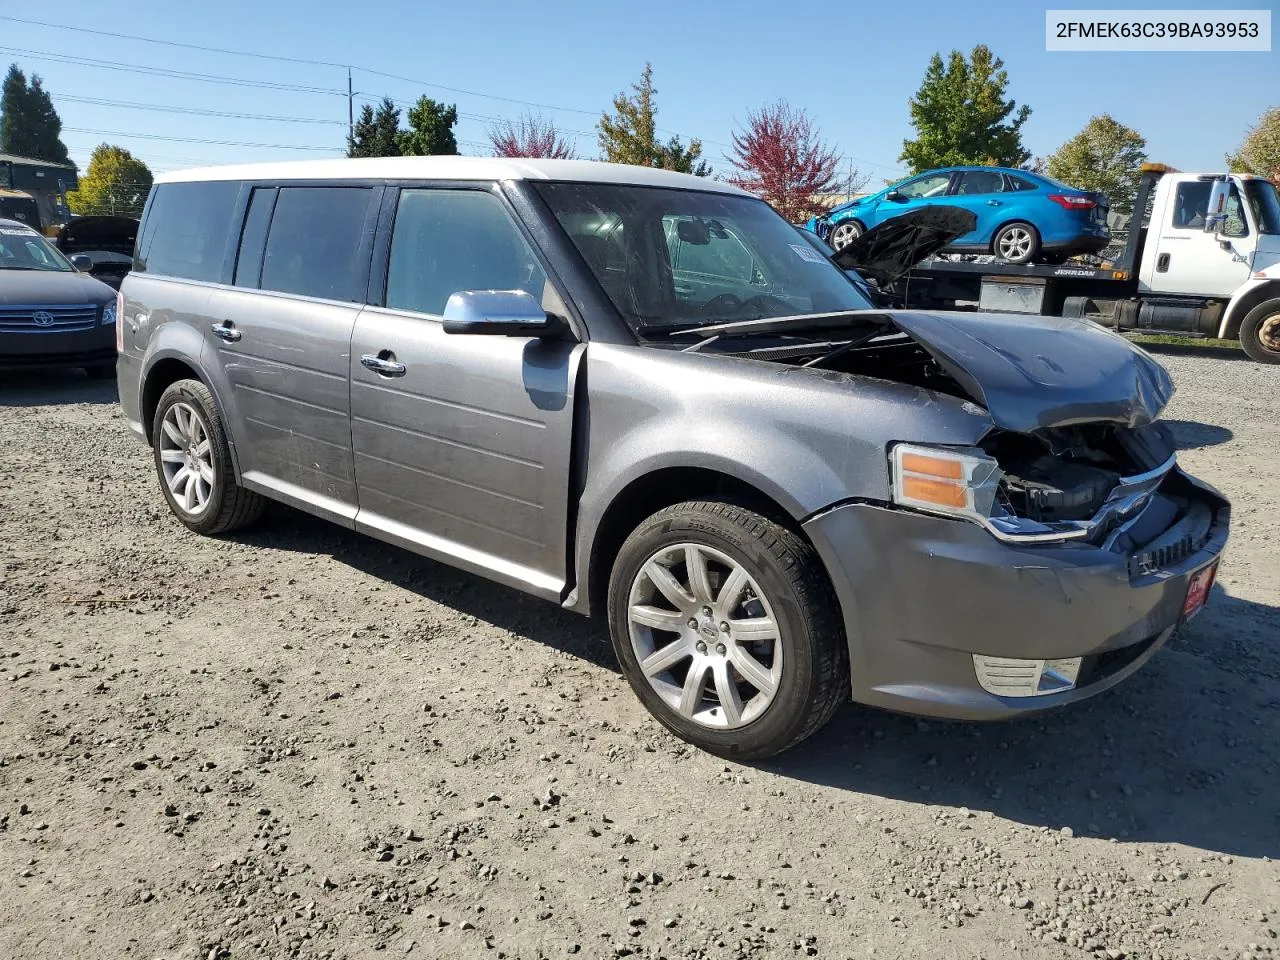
45 183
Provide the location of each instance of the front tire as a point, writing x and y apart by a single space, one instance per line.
844 233
727 629
193 462
1260 332
1016 242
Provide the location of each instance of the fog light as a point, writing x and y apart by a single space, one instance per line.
1013 677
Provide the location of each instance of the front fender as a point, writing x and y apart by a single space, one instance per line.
1255 290
803 438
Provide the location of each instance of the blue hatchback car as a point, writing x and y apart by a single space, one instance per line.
1022 216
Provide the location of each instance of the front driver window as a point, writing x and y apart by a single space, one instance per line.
932 185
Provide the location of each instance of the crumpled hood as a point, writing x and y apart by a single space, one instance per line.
51 287
889 251
1037 372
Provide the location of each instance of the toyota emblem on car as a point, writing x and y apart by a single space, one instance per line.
43 318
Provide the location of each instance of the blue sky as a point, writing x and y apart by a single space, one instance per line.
852 66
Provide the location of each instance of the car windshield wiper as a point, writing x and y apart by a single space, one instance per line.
787 324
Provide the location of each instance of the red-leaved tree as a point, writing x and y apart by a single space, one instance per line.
530 136
781 158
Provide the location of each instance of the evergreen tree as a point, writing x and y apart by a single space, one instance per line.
376 132
630 134
430 130
29 126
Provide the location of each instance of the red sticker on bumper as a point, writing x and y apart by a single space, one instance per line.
1198 591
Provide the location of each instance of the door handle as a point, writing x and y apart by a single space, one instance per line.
226 330
993 203
384 363
1162 263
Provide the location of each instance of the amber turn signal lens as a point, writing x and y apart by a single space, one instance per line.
935 491
933 466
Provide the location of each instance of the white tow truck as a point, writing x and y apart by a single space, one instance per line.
1202 259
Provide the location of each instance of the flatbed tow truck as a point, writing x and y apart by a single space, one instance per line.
1201 260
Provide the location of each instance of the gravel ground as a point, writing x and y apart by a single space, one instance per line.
300 742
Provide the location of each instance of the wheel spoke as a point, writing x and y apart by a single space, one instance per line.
667 584
694 682
178 479
189 493
656 618
172 456
752 670
753 630
205 471
695 562
660 661
203 489
174 432
202 448
727 691
730 591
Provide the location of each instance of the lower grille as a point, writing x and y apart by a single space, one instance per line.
38 318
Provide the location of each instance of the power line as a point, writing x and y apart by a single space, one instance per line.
174 74
224 143
173 43
192 110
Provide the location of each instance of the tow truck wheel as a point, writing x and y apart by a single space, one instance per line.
1260 332
844 233
1016 242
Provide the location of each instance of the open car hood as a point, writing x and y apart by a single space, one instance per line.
84 234
888 252
1038 372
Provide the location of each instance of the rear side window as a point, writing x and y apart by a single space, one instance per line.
1017 183
446 241
186 230
314 243
253 238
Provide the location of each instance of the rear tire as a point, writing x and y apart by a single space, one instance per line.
1017 242
101 371
1260 332
193 462
743 675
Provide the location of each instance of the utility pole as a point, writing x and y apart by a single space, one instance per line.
351 116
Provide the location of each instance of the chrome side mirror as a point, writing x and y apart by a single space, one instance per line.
502 313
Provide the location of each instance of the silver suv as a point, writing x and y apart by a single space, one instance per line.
641 393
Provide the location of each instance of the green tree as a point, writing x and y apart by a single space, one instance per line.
29 126
1260 152
376 131
630 134
961 115
116 182
1107 156
430 130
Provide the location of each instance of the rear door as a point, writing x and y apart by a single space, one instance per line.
282 334
981 192
462 446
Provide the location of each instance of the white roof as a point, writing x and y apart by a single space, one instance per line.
451 168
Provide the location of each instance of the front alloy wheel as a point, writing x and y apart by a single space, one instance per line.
844 233
705 636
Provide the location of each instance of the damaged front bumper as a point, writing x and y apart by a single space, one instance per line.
935 608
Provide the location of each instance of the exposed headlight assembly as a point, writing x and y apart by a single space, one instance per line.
956 482
109 314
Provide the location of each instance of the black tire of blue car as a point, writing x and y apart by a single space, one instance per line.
101 371
1260 332
229 506
844 233
1017 242
814 677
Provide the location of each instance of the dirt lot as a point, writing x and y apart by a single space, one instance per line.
300 742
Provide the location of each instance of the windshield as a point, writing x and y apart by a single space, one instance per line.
21 249
670 259
1264 204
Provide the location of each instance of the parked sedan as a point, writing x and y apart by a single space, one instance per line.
52 314
1021 216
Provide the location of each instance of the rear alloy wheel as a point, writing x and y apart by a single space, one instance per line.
844 233
193 461
1016 243
727 629
1260 332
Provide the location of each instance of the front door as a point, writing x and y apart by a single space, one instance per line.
982 193
462 441
282 335
1188 259
925 190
